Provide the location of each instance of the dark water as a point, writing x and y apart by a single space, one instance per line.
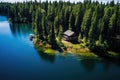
19 60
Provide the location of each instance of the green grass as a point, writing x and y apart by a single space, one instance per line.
113 54
50 51
71 48
47 50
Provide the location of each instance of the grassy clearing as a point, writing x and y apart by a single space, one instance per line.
45 49
112 54
71 48
50 51
74 49
77 49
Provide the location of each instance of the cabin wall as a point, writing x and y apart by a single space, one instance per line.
69 38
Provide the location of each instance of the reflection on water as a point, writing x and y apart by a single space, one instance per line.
22 32
47 57
3 18
20 61
21 29
88 64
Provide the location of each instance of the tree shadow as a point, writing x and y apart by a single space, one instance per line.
74 42
116 50
20 29
57 47
89 65
104 55
46 57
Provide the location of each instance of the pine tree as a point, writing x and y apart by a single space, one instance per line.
60 35
86 23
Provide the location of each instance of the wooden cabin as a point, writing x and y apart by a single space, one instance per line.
114 42
116 37
69 36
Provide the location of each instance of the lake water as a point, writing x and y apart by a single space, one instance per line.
19 60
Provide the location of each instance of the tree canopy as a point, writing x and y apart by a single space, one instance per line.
97 23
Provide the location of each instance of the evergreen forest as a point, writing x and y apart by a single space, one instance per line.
97 25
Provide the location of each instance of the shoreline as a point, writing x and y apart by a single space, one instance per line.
74 50
46 48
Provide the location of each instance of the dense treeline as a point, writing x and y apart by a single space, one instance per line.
96 24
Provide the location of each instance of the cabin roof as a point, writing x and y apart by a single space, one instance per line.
68 33
117 36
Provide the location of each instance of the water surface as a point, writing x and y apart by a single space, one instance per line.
19 60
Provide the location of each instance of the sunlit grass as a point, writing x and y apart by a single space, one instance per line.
45 49
113 54
50 51
71 48
77 49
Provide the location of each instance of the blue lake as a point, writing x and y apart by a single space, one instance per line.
19 60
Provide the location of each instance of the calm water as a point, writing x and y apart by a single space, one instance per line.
19 60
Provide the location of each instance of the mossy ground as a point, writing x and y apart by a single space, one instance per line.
113 54
77 49
74 49
45 49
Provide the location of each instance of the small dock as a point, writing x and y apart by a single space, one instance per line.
32 36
